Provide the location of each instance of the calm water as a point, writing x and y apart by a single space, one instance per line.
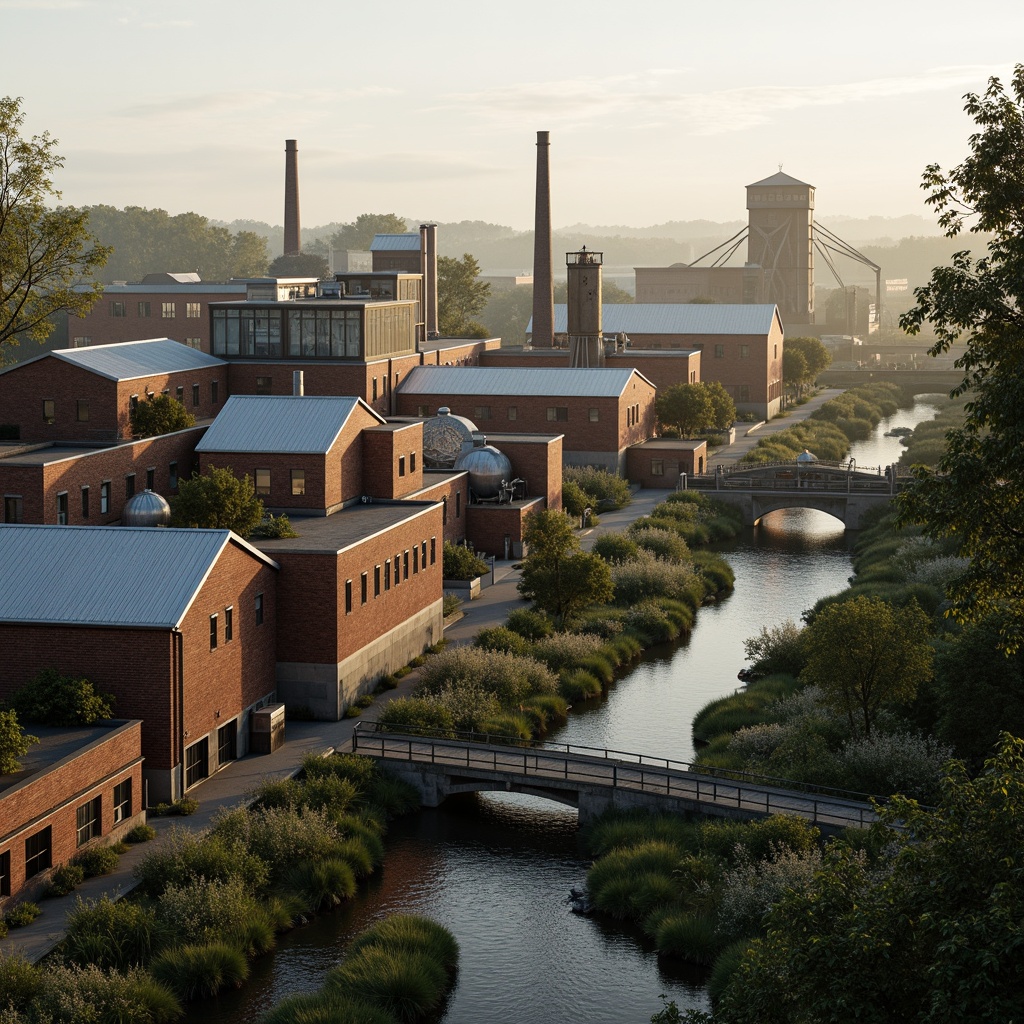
496 869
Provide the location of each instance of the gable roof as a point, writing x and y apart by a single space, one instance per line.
127 360
528 381
405 242
286 424
676 318
141 577
779 179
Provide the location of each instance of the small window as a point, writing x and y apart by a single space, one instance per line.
657 467
559 413
444 510
62 508
458 504
348 597
167 310
298 482
412 462
363 587
401 465
744 351
433 550
13 508
259 609
123 801
82 410
263 481
37 852
195 394
150 478
482 412
193 309
89 821
5 873
117 309
229 624
375 389
398 569
264 385
513 412
179 394
104 497
214 391
197 762
145 309
85 502
595 415
49 410
719 351
405 564
423 554
129 486
227 743
172 474
376 581
415 559
213 632
387 573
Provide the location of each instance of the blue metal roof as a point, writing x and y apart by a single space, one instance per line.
409 240
517 380
676 318
143 577
285 424
127 360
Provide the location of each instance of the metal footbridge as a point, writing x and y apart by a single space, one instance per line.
595 780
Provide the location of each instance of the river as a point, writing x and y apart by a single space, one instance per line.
496 870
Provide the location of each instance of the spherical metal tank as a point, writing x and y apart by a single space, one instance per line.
146 508
487 468
444 437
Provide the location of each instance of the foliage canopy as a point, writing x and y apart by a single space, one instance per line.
219 500
160 414
460 297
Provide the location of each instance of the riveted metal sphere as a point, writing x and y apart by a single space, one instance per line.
146 508
487 468
443 438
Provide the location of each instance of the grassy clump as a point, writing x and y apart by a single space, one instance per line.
65 879
198 972
114 934
21 914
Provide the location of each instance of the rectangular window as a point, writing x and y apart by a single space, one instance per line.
433 550
405 564
657 467
104 497
81 341
744 395
167 310
129 486
421 410
193 309
197 762
481 412
376 581
298 482
179 394
37 852
195 394
423 554
85 502
398 569
213 632
145 309
214 391
264 385
348 597
82 410
744 351
123 801
196 343
513 412
263 481
375 389
458 504
412 462
387 573
117 309
13 508
259 609
150 478
559 413
595 415
719 351
62 508
49 410
227 742
415 559
89 821
229 624
401 465
172 474
5 873
363 587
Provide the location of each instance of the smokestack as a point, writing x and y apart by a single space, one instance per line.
292 231
543 284
428 255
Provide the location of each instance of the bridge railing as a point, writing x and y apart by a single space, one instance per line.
618 769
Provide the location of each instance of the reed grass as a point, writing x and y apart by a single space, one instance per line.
631 828
578 685
409 985
691 936
197 972
115 934
321 884
724 968
411 932
323 1008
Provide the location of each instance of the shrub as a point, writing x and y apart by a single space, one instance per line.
660 542
450 604
462 564
615 548
724 968
185 805
609 491
509 677
392 797
510 725
650 624
566 650
115 934
197 972
616 829
274 527
321 884
501 638
411 932
646 576
688 935
19 981
578 685
408 984
22 914
777 649
202 911
70 994
65 879
98 860
418 714
54 699
14 742
531 624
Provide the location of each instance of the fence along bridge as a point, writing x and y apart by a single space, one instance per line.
838 488
595 780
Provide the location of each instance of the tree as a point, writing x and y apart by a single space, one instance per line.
14 743
300 264
933 936
686 406
864 654
359 234
44 253
460 297
723 408
52 698
795 371
976 495
248 255
160 414
219 500
557 576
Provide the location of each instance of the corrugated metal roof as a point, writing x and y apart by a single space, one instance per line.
517 380
127 360
389 243
284 424
104 575
779 179
676 318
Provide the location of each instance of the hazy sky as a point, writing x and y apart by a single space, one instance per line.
658 109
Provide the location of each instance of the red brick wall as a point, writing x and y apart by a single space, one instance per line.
681 460
490 524
206 408
538 461
456 490
662 371
384 475
244 464
52 799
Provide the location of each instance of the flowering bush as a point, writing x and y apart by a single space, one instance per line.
646 576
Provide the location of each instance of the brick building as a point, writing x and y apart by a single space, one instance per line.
87 394
179 625
76 788
600 412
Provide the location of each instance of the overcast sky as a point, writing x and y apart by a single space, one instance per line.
658 109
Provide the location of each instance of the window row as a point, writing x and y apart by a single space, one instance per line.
179 394
262 479
310 333
144 308
226 633
632 415
405 564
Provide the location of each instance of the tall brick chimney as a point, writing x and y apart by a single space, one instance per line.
543 283
292 231
428 258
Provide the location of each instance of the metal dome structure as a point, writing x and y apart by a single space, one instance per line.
488 468
147 508
445 436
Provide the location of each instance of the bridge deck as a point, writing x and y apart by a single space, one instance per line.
573 768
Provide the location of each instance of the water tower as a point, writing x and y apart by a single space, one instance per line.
586 345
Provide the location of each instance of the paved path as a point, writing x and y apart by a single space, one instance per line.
232 784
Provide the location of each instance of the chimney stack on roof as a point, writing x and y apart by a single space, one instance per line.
292 231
